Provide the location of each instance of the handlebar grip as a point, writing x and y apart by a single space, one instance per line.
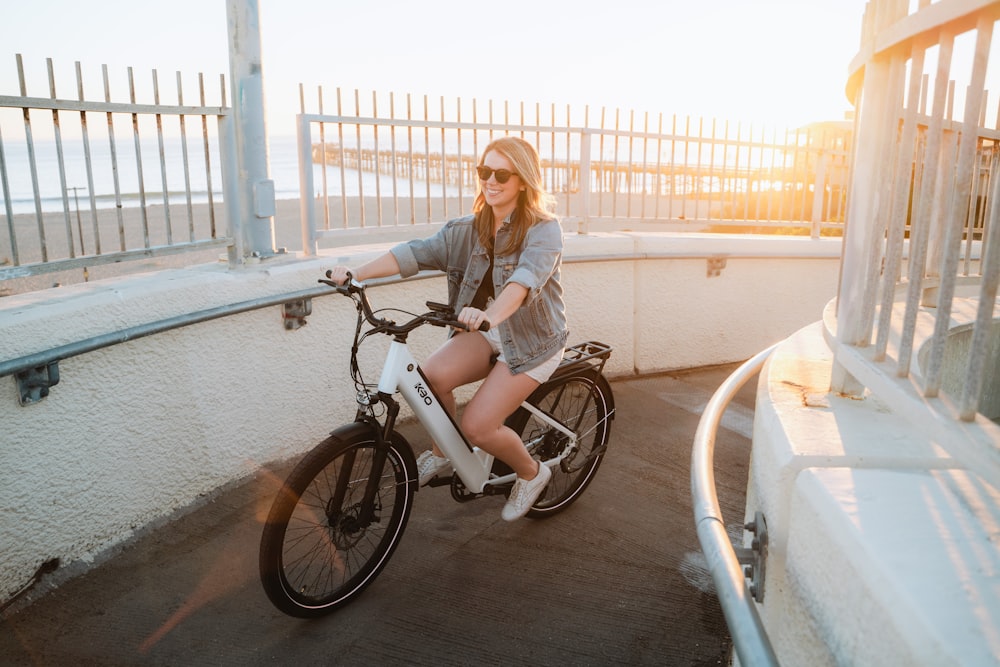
344 288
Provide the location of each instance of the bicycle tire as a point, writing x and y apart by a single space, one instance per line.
583 402
315 554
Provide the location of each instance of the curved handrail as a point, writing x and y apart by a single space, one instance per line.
749 637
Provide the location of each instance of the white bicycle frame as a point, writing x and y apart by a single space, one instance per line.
401 373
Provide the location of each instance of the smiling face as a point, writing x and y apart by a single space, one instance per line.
501 197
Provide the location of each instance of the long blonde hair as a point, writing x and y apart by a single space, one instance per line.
534 204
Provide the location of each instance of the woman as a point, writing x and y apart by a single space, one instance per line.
502 264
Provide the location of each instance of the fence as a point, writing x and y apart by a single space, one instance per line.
72 200
411 166
924 195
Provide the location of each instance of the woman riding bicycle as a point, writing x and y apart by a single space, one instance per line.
502 264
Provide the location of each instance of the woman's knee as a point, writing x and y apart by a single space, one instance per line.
478 427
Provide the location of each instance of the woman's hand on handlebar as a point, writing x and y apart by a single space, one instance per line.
340 274
474 319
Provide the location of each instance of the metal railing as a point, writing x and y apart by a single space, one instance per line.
749 637
72 200
924 194
361 168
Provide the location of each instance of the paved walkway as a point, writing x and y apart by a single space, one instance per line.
618 578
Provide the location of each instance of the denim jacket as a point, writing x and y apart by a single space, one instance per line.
537 330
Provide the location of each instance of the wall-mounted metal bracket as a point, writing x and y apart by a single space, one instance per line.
294 313
715 266
754 558
33 384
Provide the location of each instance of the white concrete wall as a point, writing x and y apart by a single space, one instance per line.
135 432
882 517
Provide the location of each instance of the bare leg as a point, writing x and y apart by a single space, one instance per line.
484 416
464 358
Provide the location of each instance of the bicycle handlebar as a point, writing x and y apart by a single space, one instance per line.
440 315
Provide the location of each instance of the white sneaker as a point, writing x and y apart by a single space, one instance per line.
525 493
429 465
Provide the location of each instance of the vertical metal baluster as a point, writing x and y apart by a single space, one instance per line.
658 179
206 147
644 169
558 171
783 171
490 122
32 163
906 157
688 182
980 348
444 157
394 157
138 162
61 160
699 178
88 161
712 178
586 169
764 186
378 163
163 164
184 159
360 149
474 177
552 181
409 158
742 176
972 213
780 153
757 174
726 180
568 178
630 165
343 175
307 183
322 152
114 161
614 171
427 157
15 258
673 167
460 166
601 170
773 149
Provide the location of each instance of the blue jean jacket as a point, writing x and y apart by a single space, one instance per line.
537 330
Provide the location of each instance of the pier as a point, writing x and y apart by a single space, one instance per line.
777 192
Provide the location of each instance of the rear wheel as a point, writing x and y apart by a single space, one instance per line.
323 542
582 402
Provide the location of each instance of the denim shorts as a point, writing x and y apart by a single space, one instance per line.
539 373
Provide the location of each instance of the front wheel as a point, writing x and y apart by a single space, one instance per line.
584 404
335 523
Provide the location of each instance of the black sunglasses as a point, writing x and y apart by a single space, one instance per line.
502 175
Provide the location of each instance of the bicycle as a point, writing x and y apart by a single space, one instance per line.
342 510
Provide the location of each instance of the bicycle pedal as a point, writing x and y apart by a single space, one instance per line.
438 480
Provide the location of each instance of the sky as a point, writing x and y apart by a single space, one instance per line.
779 62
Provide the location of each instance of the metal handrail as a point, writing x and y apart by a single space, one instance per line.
76 348
749 636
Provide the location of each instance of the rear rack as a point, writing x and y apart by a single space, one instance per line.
583 355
